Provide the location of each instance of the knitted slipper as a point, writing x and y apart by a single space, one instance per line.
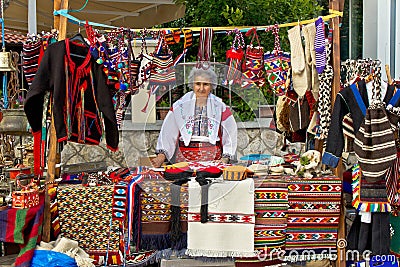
188 38
300 77
309 37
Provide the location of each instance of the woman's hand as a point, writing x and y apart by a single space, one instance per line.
158 161
224 160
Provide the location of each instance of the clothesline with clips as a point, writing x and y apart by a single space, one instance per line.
332 14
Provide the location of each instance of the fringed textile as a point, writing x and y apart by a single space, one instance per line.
313 215
221 238
368 196
154 230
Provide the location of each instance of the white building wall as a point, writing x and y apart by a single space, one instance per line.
377 26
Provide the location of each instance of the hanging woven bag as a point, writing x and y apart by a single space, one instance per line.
277 64
234 58
374 143
253 65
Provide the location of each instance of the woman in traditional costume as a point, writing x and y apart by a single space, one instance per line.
199 126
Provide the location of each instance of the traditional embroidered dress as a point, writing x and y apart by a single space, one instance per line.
80 93
201 136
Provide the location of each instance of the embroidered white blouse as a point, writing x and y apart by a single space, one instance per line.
180 122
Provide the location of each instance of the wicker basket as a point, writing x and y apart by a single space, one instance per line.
235 173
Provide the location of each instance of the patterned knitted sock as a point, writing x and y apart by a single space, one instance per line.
30 59
319 45
309 37
299 70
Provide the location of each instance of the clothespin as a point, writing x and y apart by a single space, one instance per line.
251 31
389 77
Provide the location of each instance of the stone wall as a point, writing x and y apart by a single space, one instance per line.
139 140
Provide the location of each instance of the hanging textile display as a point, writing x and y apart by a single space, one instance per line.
100 53
205 46
77 104
300 70
277 64
253 64
319 45
33 51
162 69
162 73
309 32
324 98
234 57
374 142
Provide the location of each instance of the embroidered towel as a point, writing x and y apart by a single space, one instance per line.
229 231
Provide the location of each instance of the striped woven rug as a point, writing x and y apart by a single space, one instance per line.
313 217
270 206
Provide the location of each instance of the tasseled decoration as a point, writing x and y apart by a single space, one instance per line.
176 231
201 175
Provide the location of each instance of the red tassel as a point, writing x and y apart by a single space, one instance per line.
37 138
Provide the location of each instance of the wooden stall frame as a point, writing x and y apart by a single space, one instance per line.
60 23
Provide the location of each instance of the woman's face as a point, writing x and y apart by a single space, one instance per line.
202 86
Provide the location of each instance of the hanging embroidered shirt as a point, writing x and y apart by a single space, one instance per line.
80 93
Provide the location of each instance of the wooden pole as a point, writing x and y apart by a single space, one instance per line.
60 23
335 22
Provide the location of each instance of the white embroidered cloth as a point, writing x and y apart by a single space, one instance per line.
230 229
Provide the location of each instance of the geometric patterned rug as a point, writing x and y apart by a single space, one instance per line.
86 216
313 216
